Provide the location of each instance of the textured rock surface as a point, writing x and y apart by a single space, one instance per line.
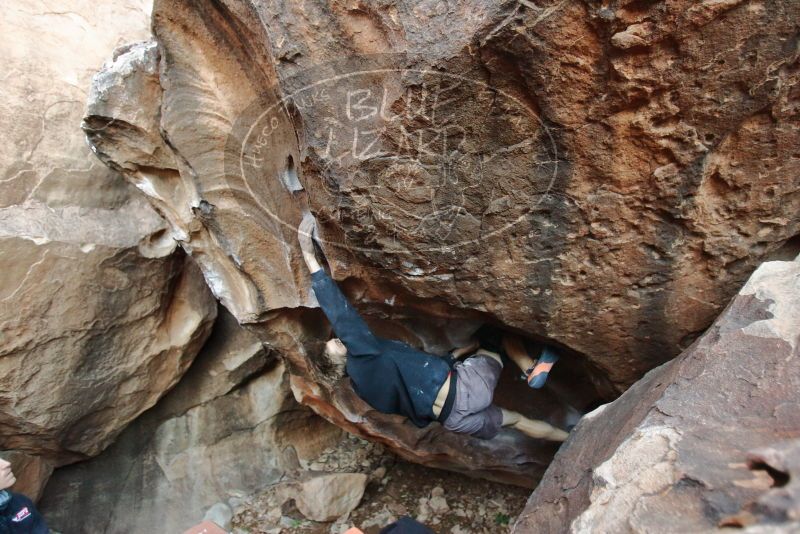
670 455
228 429
781 462
98 316
601 176
328 496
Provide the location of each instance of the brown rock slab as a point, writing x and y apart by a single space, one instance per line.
781 463
99 314
671 454
603 178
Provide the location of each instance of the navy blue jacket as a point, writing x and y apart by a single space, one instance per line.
392 376
20 516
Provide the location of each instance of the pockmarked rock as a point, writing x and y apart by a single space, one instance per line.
603 178
781 504
99 313
712 434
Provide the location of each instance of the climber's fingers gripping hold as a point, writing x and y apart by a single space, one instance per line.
306 230
305 234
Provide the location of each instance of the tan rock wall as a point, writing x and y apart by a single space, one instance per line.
228 429
98 315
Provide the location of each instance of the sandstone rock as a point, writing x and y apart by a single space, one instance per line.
110 124
438 504
123 125
327 496
597 231
704 12
378 474
670 455
781 462
228 429
789 528
99 315
381 519
221 514
521 167
319 496
635 35
121 344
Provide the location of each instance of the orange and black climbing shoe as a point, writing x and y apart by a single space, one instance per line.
537 375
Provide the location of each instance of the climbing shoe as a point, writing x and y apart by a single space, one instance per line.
537 375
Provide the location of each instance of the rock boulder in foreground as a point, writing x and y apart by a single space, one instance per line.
228 429
700 442
99 313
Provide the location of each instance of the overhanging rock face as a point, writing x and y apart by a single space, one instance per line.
600 177
671 454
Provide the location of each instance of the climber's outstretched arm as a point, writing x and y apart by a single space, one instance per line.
345 320
532 427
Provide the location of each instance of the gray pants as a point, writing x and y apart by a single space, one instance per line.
473 411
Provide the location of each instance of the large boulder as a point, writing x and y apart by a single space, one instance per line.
617 191
228 429
602 177
100 314
672 453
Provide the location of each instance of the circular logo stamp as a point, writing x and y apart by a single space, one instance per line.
405 158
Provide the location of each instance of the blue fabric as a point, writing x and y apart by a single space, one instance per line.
391 376
406 525
20 516
548 355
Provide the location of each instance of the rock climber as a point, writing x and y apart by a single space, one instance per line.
18 515
393 377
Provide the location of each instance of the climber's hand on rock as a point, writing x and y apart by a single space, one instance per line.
305 234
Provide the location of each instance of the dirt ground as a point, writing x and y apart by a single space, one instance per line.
448 503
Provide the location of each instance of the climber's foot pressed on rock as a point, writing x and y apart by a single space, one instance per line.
537 375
